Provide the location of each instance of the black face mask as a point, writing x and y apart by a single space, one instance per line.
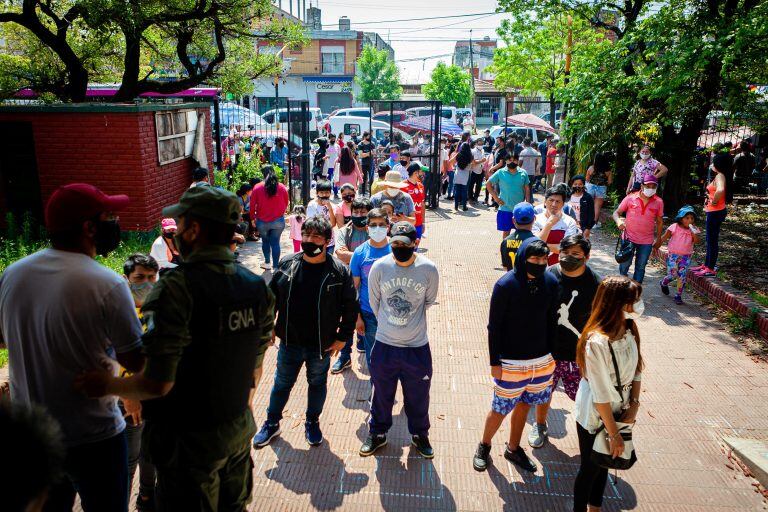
512 165
403 162
107 236
535 269
359 221
570 263
169 236
311 249
403 254
347 199
577 190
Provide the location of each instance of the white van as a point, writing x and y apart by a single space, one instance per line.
448 113
315 118
347 124
522 132
352 111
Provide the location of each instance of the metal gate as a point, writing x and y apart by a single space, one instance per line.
417 126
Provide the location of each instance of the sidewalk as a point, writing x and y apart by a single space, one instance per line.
699 386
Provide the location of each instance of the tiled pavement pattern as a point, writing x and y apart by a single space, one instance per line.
699 385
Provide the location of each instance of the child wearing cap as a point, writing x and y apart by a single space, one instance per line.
523 216
680 237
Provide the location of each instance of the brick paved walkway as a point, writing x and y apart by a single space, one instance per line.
699 386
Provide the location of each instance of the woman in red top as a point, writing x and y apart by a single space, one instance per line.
550 167
714 206
269 200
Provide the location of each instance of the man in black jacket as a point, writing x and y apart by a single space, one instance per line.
316 306
521 332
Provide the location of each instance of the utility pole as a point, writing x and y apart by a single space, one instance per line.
568 53
277 105
472 68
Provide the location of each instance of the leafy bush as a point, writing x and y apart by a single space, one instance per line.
246 169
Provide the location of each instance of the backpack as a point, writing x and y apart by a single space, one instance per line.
464 156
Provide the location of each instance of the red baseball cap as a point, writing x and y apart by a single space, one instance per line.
73 204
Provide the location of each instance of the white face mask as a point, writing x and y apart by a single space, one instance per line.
645 156
377 233
638 309
392 192
649 192
140 291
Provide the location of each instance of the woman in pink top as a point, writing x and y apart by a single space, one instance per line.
269 200
681 235
347 170
714 206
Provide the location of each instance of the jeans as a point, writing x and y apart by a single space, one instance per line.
640 254
475 184
459 196
98 472
270 238
290 359
450 183
346 352
714 222
591 479
371 324
137 458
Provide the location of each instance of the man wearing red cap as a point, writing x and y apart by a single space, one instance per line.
62 313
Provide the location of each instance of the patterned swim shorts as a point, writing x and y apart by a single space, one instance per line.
568 371
528 381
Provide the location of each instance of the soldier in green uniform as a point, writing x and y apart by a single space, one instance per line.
209 322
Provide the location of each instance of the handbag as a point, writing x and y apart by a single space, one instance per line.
624 249
601 448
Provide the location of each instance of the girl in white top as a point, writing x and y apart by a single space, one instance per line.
616 306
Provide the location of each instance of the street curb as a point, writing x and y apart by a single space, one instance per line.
728 297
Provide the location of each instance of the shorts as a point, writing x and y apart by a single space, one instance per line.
528 381
568 371
419 231
597 191
504 221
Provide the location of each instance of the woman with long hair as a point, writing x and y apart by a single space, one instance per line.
609 340
347 170
714 206
269 200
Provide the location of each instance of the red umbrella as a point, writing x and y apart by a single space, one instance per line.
530 121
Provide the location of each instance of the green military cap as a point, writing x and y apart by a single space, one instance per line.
211 203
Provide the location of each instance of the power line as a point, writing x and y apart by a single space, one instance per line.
415 19
439 26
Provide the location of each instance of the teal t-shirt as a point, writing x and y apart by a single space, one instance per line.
511 187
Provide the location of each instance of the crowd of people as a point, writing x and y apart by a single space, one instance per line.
157 369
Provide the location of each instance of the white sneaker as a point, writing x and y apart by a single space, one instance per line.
597 225
266 266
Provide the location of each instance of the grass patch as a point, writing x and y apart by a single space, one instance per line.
3 357
760 298
741 325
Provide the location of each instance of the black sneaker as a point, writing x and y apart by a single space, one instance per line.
372 444
664 287
520 459
423 447
145 503
266 434
312 433
480 461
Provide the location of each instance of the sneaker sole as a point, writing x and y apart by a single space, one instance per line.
269 440
368 454
313 444
479 469
422 453
336 372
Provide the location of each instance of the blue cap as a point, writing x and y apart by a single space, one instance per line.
685 210
523 213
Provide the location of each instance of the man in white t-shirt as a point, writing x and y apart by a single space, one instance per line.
476 178
62 313
552 225
530 160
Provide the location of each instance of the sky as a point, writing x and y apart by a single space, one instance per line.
414 39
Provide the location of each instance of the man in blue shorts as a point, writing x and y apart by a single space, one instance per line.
522 326
514 187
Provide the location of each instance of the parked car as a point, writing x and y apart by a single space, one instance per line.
522 132
446 112
231 114
315 118
558 118
352 111
396 119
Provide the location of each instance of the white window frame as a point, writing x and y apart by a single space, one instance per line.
188 135
332 50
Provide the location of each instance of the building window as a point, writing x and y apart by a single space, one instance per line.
486 106
332 58
175 134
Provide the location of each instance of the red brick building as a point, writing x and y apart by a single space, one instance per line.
144 151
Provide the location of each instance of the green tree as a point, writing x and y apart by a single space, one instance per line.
449 84
533 58
377 76
161 46
670 67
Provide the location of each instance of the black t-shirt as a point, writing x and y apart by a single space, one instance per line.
510 245
302 305
501 155
488 144
366 147
576 294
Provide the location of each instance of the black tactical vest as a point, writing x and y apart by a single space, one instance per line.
215 373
